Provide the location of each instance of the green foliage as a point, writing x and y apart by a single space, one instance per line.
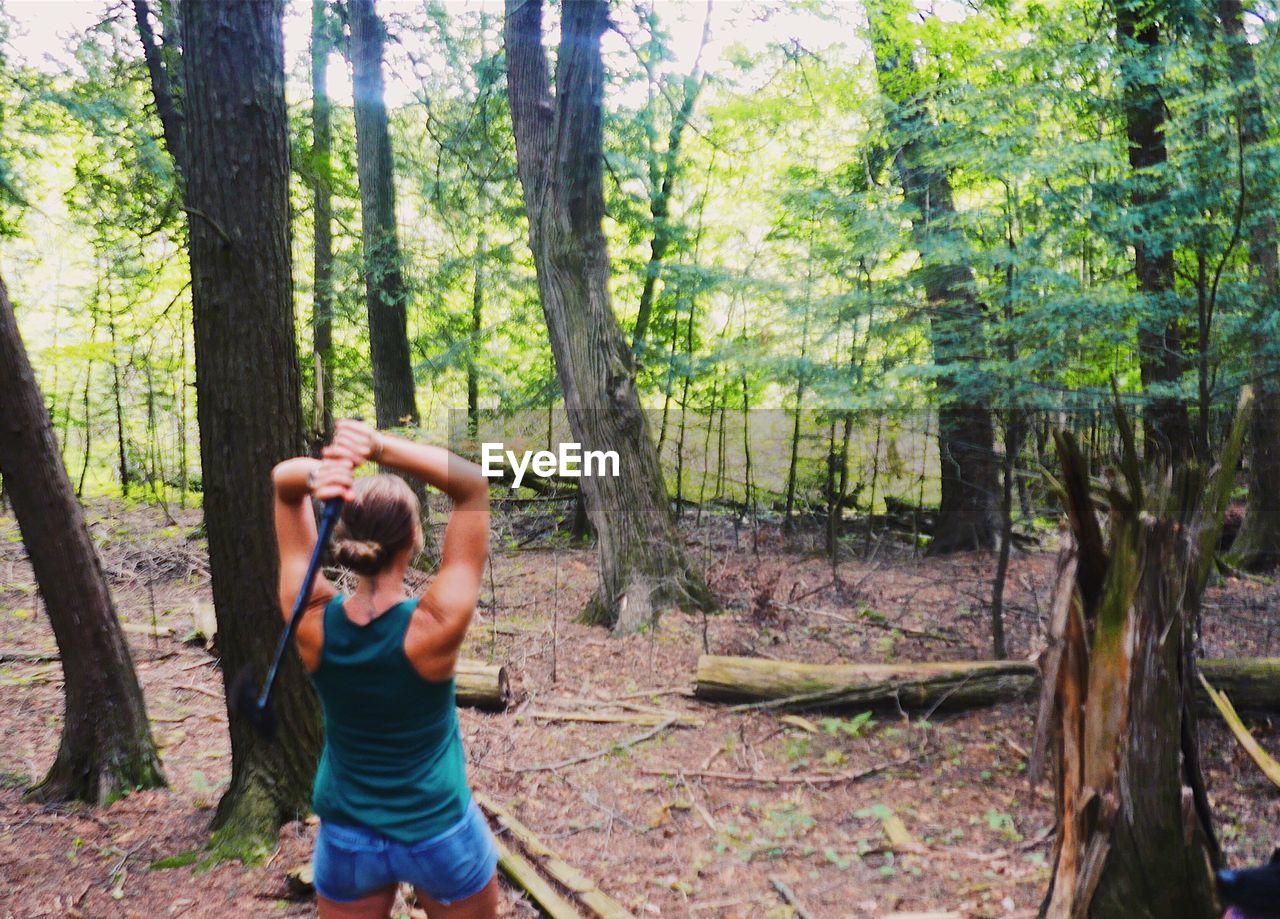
768 169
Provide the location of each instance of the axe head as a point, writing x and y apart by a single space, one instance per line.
244 703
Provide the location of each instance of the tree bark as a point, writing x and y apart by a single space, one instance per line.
247 384
1257 545
968 517
643 562
322 202
386 298
1166 423
106 748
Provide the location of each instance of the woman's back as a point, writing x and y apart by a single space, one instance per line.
393 759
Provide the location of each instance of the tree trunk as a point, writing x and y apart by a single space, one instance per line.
1012 437
162 58
385 295
643 561
106 748
122 453
967 515
1166 423
473 350
1257 546
322 198
1135 832
661 185
247 384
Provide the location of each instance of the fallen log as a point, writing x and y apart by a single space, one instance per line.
1252 683
478 685
25 655
792 686
585 889
517 869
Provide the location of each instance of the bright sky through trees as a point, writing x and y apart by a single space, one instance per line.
44 26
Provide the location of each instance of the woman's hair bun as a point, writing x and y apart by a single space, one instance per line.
378 521
363 556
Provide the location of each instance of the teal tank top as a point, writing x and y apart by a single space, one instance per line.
392 759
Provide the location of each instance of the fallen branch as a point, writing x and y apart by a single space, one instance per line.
621 745
519 872
599 902
874 623
644 719
22 655
200 689
142 628
785 892
1270 768
804 779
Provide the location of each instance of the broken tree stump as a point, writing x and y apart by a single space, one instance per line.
1118 727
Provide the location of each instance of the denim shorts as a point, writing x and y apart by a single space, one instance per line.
351 862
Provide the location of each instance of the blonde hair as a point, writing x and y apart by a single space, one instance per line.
377 523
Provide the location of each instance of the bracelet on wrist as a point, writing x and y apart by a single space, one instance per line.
378 443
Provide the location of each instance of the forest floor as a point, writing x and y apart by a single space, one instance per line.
634 815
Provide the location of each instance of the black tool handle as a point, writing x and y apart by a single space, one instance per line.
328 520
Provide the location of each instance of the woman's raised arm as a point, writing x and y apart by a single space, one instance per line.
295 481
450 600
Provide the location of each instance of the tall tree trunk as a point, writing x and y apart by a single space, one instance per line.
122 453
643 562
322 198
181 400
1135 832
968 517
662 178
1257 546
163 58
793 463
477 323
247 383
385 294
88 417
386 297
106 748
1166 423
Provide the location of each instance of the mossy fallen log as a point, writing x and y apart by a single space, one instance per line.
1253 684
